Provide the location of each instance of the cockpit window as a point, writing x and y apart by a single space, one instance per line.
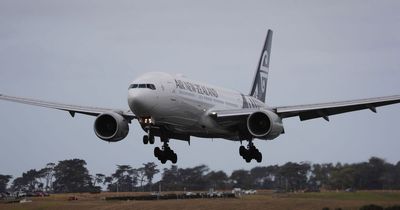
149 86
133 86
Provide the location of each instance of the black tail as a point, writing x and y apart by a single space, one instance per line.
259 87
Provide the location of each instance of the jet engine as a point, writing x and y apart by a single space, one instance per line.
111 127
264 124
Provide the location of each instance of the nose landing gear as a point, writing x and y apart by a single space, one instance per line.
165 153
146 123
250 153
148 139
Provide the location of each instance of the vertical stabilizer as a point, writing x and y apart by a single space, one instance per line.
259 87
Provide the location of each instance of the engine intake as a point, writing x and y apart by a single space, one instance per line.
111 127
264 125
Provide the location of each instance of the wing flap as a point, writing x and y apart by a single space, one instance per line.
312 111
231 117
232 113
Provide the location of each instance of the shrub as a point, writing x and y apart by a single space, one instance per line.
371 207
396 207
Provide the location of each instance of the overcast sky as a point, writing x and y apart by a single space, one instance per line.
87 53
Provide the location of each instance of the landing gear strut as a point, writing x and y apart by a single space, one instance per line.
250 153
165 153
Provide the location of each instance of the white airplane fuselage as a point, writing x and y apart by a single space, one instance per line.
184 105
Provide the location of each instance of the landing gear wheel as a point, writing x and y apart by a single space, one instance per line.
145 139
258 157
151 139
242 151
163 161
248 159
157 152
174 158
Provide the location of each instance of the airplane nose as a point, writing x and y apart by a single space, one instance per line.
140 102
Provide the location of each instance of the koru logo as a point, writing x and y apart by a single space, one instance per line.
263 84
265 59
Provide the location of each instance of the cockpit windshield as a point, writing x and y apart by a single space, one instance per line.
148 86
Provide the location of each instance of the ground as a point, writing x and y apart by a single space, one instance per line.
263 200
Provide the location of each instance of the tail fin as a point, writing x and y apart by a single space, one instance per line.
259 87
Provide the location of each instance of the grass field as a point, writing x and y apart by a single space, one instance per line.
263 200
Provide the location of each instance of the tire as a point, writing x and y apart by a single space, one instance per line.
163 161
151 140
247 159
174 158
169 154
157 152
145 139
242 151
259 157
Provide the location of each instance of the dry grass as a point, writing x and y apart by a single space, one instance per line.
263 200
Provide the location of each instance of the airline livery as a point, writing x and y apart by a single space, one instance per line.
174 107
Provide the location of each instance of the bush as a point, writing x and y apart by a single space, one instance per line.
371 207
396 207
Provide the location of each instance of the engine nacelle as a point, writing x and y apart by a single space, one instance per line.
111 127
264 124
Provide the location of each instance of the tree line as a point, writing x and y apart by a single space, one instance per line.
73 176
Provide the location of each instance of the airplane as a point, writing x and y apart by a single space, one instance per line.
174 107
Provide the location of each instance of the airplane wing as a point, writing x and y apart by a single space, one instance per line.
324 110
72 109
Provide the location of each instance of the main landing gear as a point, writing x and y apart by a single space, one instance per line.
165 153
250 153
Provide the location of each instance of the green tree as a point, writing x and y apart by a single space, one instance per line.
376 170
48 174
72 176
170 180
294 176
125 177
18 184
343 177
141 174
4 179
176 178
30 178
241 178
98 179
150 170
217 180
27 181
108 181
320 174
192 178
260 176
